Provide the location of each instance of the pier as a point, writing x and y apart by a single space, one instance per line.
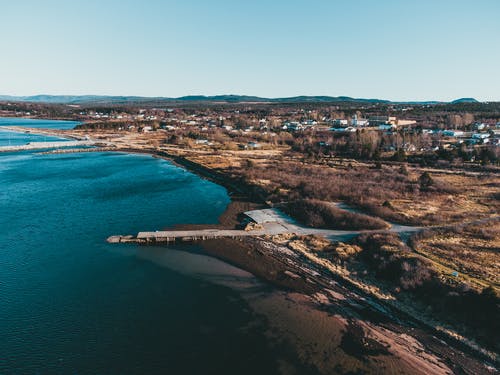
271 222
185 235
46 145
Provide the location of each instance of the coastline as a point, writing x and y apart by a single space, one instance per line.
254 258
249 254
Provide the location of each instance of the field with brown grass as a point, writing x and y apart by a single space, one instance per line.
471 251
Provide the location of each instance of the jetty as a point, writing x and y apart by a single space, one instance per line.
269 221
46 145
185 235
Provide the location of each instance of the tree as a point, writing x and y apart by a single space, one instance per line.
399 155
425 180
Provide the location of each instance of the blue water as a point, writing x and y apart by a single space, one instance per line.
9 138
32 123
70 303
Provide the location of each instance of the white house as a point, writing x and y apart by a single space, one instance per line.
252 144
348 129
453 133
386 127
340 122
480 135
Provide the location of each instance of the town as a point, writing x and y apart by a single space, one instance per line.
464 132
399 202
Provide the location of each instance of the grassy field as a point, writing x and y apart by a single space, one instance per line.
470 251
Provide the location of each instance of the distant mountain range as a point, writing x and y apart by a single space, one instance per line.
103 99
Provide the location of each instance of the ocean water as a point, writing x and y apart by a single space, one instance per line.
70 303
33 123
9 138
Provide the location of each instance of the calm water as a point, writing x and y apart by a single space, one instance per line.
71 303
8 138
31 123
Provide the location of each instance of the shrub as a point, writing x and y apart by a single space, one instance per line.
319 214
391 261
425 180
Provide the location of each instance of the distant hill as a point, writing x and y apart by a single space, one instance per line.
464 100
73 99
103 99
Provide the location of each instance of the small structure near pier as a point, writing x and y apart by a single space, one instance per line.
270 221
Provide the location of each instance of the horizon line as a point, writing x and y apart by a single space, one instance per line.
249 95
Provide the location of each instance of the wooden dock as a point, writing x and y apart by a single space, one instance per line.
184 235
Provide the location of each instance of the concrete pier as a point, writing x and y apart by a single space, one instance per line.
185 235
272 222
45 145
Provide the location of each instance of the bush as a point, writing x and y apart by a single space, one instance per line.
391 261
319 214
425 180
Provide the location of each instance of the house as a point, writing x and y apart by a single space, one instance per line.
293 126
409 147
340 123
386 127
405 122
359 121
309 122
168 127
385 120
252 144
480 135
382 120
348 129
453 133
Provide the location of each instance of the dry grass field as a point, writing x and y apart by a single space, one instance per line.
471 251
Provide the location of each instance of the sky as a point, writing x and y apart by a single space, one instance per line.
386 49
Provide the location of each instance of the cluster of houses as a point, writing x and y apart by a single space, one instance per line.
384 123
350 125
235 121
96 115
481 133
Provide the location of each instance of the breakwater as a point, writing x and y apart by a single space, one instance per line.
45 145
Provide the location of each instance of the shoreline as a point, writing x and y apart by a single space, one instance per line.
264 266
273 269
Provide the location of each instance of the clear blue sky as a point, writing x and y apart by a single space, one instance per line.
390 49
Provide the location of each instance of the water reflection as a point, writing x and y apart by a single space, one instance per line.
200 266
